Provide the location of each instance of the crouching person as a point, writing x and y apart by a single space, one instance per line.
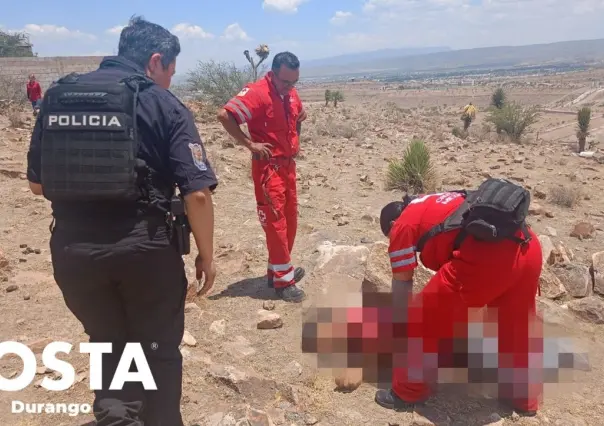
484 255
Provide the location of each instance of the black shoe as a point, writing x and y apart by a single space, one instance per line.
291 294
388 399
298 275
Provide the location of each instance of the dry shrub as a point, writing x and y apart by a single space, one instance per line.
15 117
415 172
459 133
12 92
565 196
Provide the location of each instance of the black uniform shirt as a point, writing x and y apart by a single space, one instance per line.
170 142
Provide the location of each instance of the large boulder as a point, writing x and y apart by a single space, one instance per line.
378 272
349 260
597 269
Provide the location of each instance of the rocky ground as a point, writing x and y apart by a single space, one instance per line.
242 349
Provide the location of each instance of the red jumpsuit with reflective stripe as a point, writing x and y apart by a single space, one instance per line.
272 119
503 277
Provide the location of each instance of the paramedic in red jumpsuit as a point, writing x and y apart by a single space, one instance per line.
273 111
502 276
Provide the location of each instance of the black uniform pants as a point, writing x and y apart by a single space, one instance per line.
128 292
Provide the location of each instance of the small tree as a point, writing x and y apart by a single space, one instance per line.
513 119
498 98
328 97
218 82
15 44
262 52
415 172
337 96
583 119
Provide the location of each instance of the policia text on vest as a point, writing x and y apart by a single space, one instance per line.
90 150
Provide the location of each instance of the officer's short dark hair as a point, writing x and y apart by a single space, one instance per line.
142 39
391 212
285 58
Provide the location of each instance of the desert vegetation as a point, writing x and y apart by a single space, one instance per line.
373 148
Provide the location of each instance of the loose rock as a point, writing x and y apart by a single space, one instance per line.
188 339
575 278
551 286
269 320
269 305
590 309
583 230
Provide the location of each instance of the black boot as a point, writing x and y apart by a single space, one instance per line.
291 294
298 275
388 399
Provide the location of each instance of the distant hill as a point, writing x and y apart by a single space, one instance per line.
580 51
352 58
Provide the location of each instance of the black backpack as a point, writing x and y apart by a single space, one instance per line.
492 213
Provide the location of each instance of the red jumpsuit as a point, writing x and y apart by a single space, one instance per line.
504 277
272 119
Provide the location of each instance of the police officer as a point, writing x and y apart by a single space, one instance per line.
107 150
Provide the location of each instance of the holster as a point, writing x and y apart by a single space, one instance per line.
180 229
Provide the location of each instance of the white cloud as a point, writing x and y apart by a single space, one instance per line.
234 32
186 30
340 17
115 30
53 31
463 24
284 6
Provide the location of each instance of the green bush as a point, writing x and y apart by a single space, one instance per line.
583 120
414 173
498 98
513 119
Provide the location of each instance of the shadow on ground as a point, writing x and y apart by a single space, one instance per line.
254 288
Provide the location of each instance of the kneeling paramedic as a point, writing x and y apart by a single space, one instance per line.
484 255
273 112
107 151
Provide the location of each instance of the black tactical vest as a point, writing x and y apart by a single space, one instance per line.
90 141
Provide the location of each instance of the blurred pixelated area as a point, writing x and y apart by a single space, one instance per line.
359 338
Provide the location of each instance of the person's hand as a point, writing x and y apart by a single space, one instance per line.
205 269
261 149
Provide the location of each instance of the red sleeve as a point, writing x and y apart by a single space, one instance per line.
38 89
402 247
246 106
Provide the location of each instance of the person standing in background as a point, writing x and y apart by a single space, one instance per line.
34 93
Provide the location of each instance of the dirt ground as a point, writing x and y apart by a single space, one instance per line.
341 179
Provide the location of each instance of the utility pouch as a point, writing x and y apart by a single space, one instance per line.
179 226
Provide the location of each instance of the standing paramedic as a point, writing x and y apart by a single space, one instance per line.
108 150
273 112
475 267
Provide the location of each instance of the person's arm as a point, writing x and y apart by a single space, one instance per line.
403 262
34 158
195 179
246 106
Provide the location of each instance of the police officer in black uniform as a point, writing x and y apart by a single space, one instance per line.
107 150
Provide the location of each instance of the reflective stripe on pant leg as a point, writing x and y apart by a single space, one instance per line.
283 273
271 214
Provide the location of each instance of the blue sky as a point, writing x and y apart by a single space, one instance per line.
221 30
